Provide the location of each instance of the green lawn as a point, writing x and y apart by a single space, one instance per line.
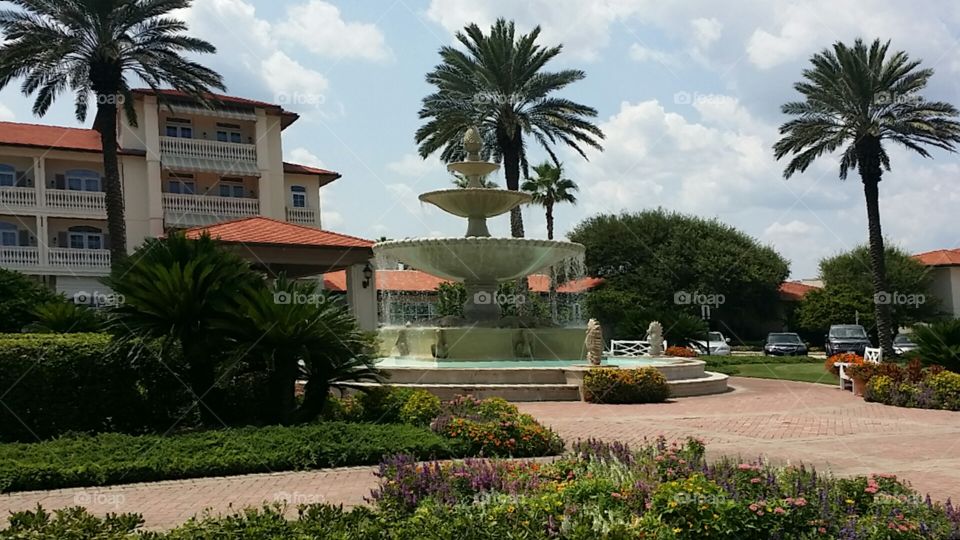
789 368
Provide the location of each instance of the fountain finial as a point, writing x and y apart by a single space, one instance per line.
472 143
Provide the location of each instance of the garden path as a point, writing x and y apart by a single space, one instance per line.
783 421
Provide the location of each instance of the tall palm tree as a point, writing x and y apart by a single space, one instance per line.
499 84
550 188
855 98
90 47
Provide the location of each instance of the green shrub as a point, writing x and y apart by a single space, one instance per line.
112 458
642 385
494 427
946 389
59 383
59 317
345 409
879 389
420 409
19 295
382 404
939 343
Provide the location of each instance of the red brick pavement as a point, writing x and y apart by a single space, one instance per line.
782 421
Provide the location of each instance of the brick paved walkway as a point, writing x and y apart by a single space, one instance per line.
783 421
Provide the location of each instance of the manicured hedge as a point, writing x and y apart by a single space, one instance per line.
59 383
111 458
611 385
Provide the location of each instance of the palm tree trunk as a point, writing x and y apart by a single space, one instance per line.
868 150
511 172
553 273
106 124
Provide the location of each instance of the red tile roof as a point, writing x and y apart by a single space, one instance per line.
291 117
55 137
417 281
325 176
267 231
940 257
794 291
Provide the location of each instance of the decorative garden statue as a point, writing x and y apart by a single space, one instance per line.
439 349
594 342
655 337
523 344
403 345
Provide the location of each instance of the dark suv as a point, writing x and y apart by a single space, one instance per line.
784 344
846 338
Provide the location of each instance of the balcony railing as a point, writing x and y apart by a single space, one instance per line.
80 259
303 216
19 257
92 202
210 205
17 197
203 149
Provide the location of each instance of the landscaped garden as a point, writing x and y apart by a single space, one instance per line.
662 491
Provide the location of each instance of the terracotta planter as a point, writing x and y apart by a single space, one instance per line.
859 386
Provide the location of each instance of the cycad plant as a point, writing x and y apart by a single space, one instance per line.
499 83
91 48
855 99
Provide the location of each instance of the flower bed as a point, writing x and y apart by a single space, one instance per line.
681 352
494 427
660 491
912 386
610 385
853 359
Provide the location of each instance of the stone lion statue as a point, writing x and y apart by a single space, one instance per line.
655 337
594 342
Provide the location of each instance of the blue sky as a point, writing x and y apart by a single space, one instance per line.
688 95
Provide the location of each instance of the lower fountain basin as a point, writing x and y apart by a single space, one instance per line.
479 259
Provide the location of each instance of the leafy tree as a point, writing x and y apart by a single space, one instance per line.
659 264
450 299
278 327
498 83
855 99
837 304
92 47
19 295
179 291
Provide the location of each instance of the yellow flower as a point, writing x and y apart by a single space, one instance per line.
677 530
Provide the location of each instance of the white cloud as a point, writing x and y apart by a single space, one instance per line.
6 114
292 84
305 157
706 31
319 27
413 166
641 53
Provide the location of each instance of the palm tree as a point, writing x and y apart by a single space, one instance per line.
179 291
498 84
462 181
90 47
550 188
288 323
855 98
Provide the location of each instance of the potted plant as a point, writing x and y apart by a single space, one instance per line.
861 375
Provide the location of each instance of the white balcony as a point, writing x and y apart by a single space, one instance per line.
91 203
19 258
302 216
18 198
208 150
193 210
80 260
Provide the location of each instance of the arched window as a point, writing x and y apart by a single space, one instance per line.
9 235
85 237
298 195
83 180
8 176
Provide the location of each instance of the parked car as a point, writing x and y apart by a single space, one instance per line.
903 344
784 344
719 345
846 338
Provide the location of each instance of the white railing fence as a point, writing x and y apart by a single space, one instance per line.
303 216
18 257
203 149
92 201
210 204
79 258
11 197
624 347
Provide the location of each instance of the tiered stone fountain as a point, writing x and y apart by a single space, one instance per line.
481 263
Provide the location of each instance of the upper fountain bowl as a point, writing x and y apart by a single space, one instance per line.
476 202
478 259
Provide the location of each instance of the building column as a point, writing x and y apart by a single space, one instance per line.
43 241
40 181
151 126
270 188
362 300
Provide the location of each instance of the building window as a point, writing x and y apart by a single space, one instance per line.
229 133
85 238
8 176
180 128
9 236
83 180
183 186
232 187
299 195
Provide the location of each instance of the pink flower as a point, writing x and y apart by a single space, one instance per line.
745 467
800 501
779 510
871 489
754 507
754 480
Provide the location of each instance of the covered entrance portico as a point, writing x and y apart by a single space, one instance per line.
299 251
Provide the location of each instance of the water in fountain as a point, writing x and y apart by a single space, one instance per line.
482 263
